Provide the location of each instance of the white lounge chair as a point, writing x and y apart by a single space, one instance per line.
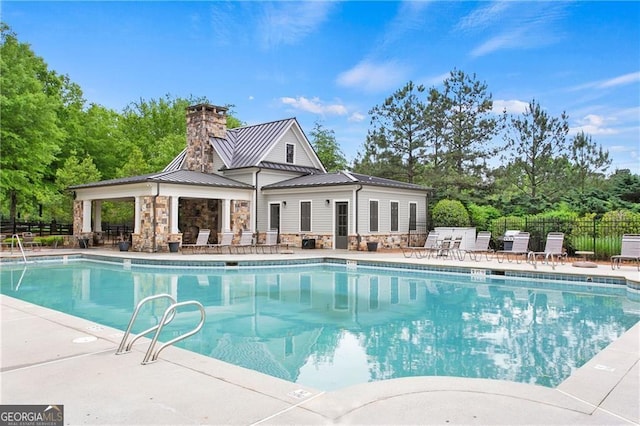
520 248
225 241
451 247
270 242
480 247
430 246
630 250
552 250
201 241
245 243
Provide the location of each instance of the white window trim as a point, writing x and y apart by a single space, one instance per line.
310 215
409 213
397 202
293 146
377 216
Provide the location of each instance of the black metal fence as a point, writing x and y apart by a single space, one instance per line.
110 232
602 237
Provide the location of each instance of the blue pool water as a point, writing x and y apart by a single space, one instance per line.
327 326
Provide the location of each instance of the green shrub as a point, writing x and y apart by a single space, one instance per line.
481 216
618 222
450 213
52 240
502 224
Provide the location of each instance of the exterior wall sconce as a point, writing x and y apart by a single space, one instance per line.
327 202
284 204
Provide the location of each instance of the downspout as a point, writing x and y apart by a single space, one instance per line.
358 238
255 212
155 220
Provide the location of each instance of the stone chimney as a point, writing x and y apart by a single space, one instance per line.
203 122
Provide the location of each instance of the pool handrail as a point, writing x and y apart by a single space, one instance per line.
122 349
150 356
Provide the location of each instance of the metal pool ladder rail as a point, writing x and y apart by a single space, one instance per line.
167 317
151 356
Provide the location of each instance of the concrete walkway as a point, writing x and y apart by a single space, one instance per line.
52 358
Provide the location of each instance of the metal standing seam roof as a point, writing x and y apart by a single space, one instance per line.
246 146
342 178
184 177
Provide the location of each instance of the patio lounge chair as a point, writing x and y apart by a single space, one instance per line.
630 250
201 241
552 250
28 240
270 242
480 247
245 243
430 246
451 247
225 241
520 248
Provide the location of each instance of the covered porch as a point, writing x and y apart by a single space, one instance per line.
167 209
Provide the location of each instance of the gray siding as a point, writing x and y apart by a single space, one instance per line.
301 156
384 198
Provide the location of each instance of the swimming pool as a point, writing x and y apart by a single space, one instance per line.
330 326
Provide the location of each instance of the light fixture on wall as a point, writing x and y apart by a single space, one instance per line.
284 204
327 202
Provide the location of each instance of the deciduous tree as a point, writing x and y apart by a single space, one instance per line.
31 132
328 150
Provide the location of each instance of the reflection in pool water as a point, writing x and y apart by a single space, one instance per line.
328 327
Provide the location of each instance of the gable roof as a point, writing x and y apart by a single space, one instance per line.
183 177
246 147
342 178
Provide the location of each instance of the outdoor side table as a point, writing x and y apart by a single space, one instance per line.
584 262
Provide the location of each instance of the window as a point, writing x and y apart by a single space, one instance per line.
305 216
290 148
394 216
373 215
413 208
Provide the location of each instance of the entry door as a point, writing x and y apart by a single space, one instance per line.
342 225
274 217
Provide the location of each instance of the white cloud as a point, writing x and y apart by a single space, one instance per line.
621 80
314 105
507 40
374 77
593 124
507 25
630 78
484 16
511 106
356 117
289 22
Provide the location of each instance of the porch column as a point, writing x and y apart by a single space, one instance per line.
86 216
226 215
173 215
97 226
136 216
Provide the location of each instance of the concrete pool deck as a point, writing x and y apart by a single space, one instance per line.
48 357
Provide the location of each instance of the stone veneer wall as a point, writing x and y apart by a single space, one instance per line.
203 121
240 216
144 241
390 241
78 210
196 214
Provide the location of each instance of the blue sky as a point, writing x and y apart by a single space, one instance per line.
332 62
